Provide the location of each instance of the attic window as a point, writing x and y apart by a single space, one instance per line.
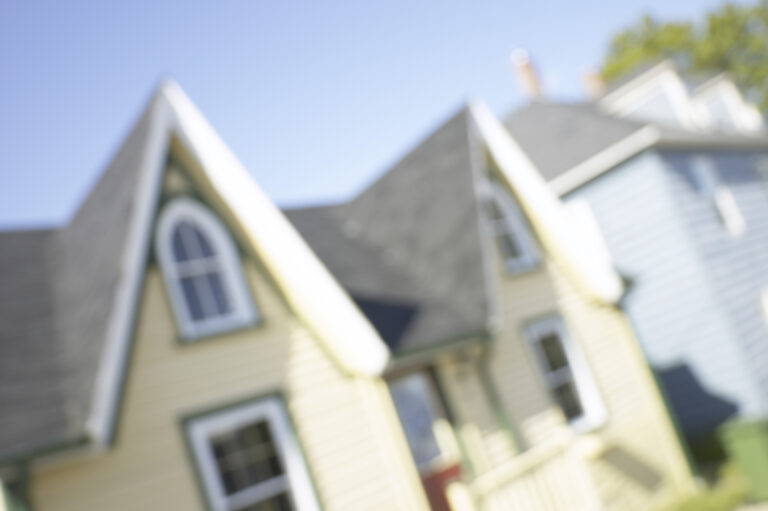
514 240
202 271
248 458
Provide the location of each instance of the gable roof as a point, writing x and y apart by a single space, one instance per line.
411 250
84 281
409 247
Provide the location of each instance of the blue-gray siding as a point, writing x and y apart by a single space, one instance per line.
675 309
737 267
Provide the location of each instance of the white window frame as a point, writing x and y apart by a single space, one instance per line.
594 412
710 187
512 225
295 481
242 311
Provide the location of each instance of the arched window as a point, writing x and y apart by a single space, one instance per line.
507 225
202 271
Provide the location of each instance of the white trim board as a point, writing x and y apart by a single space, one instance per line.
601 162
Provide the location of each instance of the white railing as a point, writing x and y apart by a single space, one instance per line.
550 477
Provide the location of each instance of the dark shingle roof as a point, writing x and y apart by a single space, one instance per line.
31 397
408 248
558 136
58 288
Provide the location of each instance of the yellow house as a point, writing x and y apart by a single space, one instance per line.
448 339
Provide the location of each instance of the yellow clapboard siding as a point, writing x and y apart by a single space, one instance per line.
640 462
347 438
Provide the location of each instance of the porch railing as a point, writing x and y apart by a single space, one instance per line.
550 477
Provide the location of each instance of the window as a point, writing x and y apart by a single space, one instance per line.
418 410
566 373
249 459
202 271
710 188
513 238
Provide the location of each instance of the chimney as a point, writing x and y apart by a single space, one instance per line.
594 84
526 73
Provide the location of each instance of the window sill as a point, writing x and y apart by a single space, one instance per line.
220 331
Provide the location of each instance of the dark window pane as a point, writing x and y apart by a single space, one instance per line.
508 247
191 298
568 399
553 351
203 245
179 249
218 292
249 457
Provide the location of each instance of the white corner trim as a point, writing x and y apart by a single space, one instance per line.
545 210
605 160
307 284
107 387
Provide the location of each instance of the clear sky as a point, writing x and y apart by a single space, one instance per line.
316 98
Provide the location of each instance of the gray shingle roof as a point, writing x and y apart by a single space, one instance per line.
409 248
558 136
31 397
57 289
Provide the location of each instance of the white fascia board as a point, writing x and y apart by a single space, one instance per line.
605 160
309 287
109 378
546 212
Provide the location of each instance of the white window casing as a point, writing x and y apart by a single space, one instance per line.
507 224
574 372
225 306
711 188
295 480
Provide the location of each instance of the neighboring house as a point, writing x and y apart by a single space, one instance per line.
179 345
674 172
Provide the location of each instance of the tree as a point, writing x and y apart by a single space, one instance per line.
732 38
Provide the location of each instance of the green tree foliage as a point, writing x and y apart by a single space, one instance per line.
732 38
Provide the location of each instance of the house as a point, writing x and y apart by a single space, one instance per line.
672 170
444 340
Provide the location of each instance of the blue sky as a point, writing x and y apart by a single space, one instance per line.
315 98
